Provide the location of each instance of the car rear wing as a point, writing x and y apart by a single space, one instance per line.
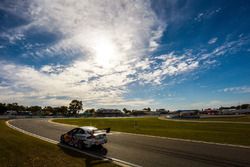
104 130
107 130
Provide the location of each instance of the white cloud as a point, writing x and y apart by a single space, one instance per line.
239 89
206 14
170 65
12 38
212 40
121 27
228 47
88 81
112 40
109 37
156 35
47 85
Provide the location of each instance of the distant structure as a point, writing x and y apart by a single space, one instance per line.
242 111
10 112
228 111
235 111
162 111
210 111
139 112
186 114
108 113
143 112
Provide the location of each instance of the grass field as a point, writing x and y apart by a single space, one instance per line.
212 132
19 150
233 119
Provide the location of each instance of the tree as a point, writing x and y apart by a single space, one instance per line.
245 106
63 110
147 109
233 107
89 112
13 107
48 110
3 108
35 110
92 111
75 106
126 111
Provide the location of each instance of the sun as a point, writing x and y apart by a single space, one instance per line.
106 52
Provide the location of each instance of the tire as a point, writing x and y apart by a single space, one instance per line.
62 140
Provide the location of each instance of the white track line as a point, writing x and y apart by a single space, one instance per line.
114 160
169 138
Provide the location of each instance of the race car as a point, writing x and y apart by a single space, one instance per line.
86 136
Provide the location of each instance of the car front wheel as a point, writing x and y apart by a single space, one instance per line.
62 140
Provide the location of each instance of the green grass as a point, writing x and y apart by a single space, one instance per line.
19 150
212 132
233 119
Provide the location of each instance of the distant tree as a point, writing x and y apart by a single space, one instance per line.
35 110
3 108
92 110
56 110
89 112
74 107
147 109
233 107
13 106
48 110
126 111
64 110
245 106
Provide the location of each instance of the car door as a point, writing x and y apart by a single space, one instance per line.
68 138
78 135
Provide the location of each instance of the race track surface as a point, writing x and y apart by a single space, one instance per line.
150 151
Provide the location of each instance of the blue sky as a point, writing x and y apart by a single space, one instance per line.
162 54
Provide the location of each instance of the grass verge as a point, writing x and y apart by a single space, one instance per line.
211 132
17 149
233 119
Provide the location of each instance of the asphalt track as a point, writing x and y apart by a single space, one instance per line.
150 151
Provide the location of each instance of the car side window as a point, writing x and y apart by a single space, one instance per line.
73 131
80 131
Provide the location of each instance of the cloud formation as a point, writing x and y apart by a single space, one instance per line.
111 45
107 37
238 89
212 40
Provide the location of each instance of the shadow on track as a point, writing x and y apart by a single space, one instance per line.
89 161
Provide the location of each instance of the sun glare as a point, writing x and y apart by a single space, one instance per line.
105 52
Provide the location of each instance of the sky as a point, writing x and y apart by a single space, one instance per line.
173 54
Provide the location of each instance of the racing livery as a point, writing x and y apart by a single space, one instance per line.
86 136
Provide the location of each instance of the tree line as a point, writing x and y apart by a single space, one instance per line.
73 109
242 106
75 106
